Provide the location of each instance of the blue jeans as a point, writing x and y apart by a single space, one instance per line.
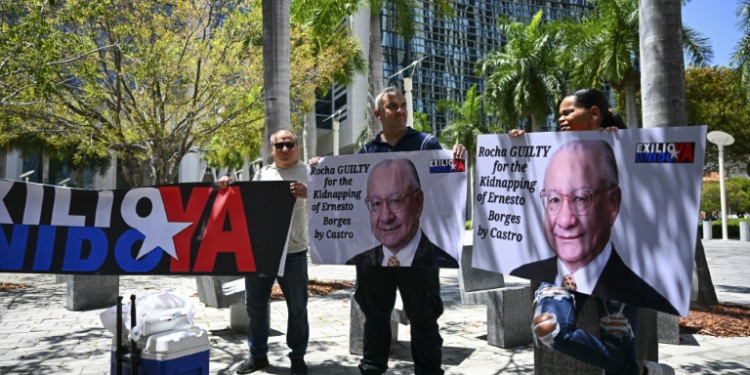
614 351
257 295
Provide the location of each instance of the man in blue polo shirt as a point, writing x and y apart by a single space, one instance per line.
419 287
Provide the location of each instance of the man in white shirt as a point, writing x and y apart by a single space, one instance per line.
286 166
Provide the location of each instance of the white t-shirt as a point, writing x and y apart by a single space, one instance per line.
298 240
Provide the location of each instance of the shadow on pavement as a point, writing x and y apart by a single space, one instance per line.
724 367
733 289
688 339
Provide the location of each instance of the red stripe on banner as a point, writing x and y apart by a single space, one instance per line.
172 199
228 205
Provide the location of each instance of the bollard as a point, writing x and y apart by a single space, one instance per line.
707 231
744 235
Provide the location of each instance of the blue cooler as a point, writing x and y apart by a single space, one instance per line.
169 353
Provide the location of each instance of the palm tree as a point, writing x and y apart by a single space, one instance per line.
403 25
523 76
276 62
608 45
741 55
325 20
465 123
663 93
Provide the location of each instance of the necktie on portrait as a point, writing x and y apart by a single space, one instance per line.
393 261
569 283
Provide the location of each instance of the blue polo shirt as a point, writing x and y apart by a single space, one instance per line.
411 141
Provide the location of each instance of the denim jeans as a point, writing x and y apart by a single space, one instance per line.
257 295
376 296
614 351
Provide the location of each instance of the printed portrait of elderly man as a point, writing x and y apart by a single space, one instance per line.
395 201
581 200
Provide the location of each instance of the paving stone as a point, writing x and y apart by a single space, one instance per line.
60 340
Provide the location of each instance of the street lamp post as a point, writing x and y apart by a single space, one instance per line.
408 89
409 101
336 124
721 139
26 175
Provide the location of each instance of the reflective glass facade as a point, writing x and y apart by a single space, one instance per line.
452 47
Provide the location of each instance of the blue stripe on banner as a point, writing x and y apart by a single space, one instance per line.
13 253
74 249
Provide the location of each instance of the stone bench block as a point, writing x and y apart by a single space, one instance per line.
221 291
61 278
475 283
357 324
550 362
238 317
509 315
90 292
668 326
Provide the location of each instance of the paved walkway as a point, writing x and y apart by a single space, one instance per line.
39 336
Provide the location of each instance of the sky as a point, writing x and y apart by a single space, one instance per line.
716 20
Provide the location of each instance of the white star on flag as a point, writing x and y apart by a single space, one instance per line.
157 230
161 236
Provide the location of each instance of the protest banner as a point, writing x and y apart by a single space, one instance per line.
366 206
616 210
194 229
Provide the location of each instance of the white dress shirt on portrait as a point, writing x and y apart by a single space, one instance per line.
406 255
586 277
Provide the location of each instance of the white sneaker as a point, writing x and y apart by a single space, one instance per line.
654 368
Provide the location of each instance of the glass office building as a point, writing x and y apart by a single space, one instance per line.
452 47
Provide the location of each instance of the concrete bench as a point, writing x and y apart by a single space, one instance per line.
357 324
509 316
508 308
476 284
90 292
225 291
547 361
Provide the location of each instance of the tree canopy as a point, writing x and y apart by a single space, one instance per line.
524 76
714 99
148 81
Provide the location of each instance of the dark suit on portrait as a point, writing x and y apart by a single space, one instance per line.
617 282
427 255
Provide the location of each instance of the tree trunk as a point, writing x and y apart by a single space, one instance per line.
275 69
45 166
534 124
631 104
79 178
662 64
706 292
310 135
374 73
472 200
663 90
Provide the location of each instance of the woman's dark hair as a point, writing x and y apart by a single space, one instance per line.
587 98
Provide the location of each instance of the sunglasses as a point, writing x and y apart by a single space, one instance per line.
280 145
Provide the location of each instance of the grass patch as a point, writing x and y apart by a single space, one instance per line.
314 288
11 286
